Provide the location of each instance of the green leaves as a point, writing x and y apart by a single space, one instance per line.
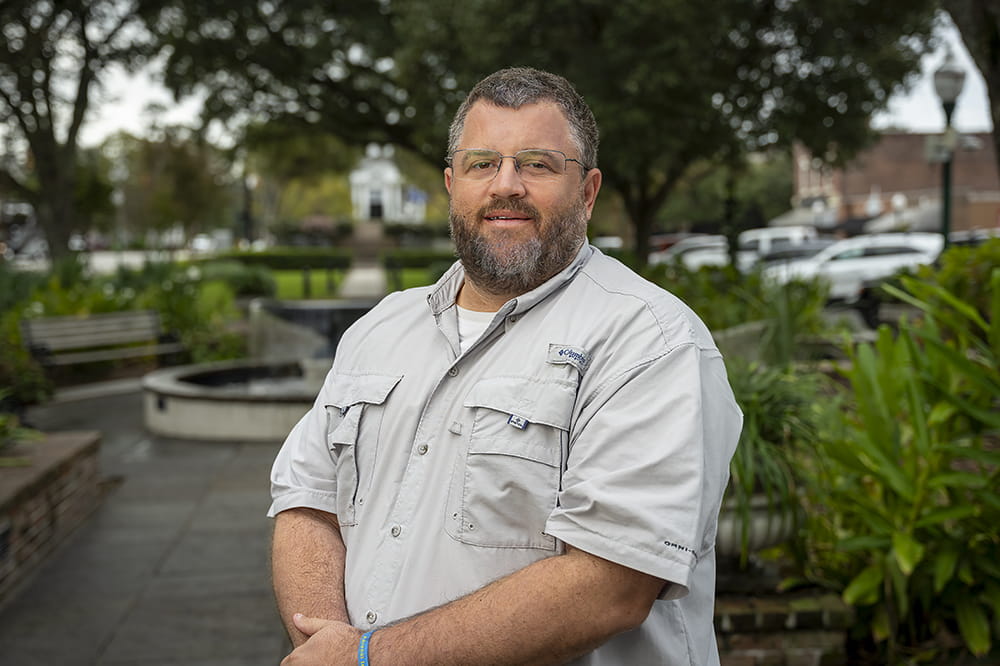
906 502
974 626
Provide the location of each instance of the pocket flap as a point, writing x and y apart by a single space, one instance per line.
347 390
546 401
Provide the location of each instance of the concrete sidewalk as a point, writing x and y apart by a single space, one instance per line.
172 568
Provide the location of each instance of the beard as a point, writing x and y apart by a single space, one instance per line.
506 263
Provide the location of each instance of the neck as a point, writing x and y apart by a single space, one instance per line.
473 297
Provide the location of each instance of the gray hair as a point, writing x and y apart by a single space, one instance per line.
516 86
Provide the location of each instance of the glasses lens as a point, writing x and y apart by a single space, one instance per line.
476 164
541 164
533 164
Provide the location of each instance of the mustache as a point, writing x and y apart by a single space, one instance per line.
513 205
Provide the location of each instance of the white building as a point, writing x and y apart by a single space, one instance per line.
378 192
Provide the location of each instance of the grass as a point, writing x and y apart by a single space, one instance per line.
290 285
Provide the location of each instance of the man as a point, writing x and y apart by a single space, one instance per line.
522 464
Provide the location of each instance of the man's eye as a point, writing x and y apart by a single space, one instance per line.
535 165
480 165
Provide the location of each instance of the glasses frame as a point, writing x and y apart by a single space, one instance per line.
450 161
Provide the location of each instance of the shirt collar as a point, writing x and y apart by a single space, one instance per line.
445 291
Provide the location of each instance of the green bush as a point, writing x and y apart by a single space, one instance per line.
244 279
725 298
905 493
779 426
16 286
416 258
287 258
21 378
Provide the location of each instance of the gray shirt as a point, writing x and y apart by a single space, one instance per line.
593 411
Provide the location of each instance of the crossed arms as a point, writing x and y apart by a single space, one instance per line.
547 613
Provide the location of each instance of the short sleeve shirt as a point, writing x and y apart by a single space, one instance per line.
594 411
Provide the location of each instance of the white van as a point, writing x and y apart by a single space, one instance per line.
768 239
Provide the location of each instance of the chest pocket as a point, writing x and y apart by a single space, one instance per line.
505 486
353 421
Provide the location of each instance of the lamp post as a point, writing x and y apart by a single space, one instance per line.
948 81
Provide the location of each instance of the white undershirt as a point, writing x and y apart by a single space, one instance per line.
471 325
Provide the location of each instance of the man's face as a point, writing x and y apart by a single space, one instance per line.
512 234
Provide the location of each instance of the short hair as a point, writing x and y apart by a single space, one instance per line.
514 87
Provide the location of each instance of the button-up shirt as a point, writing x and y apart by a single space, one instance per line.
593 411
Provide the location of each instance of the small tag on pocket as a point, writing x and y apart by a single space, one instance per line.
578 357
518 422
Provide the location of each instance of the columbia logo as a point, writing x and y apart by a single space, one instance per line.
575 355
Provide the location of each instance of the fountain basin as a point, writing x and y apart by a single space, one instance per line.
249 401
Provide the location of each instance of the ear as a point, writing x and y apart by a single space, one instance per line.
591 186
447 179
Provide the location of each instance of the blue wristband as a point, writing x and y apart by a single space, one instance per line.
363 648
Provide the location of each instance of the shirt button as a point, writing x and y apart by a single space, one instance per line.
396 529
513 319
422 449
453 372
371 616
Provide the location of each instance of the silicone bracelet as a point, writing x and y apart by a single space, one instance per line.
363 648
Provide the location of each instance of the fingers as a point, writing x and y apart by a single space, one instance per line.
308 625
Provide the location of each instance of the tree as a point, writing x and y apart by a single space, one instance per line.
979 23
175 180
52 56
672 82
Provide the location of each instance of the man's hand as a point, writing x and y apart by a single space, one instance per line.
330 643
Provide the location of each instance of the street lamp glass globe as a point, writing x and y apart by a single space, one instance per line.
949 79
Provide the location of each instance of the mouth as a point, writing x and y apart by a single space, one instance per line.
507 217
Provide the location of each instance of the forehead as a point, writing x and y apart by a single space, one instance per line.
538 125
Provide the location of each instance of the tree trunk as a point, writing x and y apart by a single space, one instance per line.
54 205
978 21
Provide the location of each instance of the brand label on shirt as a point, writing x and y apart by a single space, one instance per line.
518 422
567 354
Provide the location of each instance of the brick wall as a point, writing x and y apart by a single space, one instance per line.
42 503
795 629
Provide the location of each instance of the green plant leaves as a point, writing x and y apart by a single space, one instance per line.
973 625
907 551
864 589
944 567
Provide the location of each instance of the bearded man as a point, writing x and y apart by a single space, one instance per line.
523 463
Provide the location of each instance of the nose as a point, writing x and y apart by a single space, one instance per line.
507 183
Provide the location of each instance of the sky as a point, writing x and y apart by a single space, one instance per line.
126 99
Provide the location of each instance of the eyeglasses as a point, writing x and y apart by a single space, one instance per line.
534 164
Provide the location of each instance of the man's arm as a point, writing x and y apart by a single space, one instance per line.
547 613
307 567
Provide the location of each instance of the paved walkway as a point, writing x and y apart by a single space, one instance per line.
173 566
364 281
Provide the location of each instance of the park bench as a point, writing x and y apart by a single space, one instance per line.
60 341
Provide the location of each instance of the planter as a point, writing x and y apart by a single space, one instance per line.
769 526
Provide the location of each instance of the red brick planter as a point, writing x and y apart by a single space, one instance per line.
42 503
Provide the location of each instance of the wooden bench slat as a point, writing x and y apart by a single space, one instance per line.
83 327
111 354
65 340
104 338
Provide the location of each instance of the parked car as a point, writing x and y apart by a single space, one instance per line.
694 252
849 265
793 252
713 250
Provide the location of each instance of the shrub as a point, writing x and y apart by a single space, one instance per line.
904 494
244 279
284 259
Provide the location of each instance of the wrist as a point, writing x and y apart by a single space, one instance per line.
363 648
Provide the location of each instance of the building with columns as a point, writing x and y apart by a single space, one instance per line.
379 193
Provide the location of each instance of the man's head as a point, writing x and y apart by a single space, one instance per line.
514 87
522 178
